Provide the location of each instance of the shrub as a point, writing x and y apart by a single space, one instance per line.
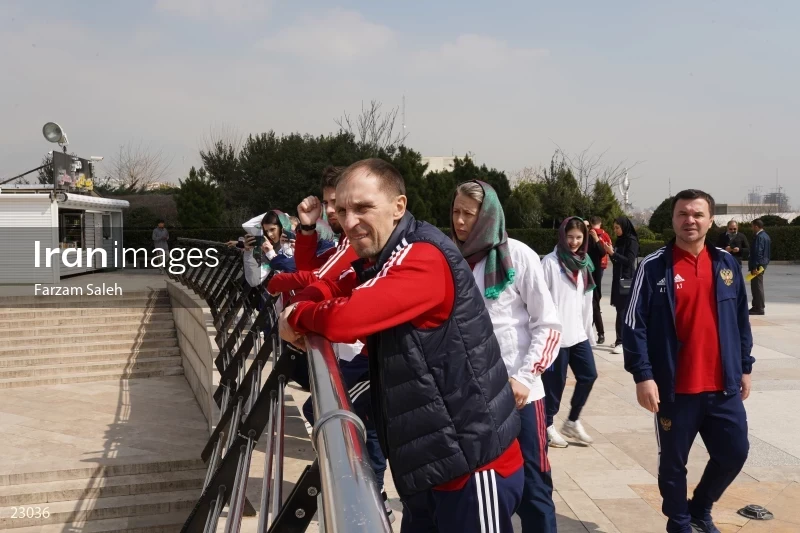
645 233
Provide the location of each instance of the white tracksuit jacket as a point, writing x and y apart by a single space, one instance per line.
525 319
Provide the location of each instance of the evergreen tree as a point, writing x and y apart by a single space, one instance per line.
199 201
661 218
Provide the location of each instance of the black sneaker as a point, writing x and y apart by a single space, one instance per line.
703 526
756 312
601 339
389 512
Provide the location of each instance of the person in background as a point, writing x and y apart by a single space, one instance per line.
161 237
312 213
598 239
568 274
759 258
273 254
160 240
509 275
687 343
733 242
442 403
623 255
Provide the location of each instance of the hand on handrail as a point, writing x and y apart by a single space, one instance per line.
286 332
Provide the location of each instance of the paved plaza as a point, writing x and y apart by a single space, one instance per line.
609 486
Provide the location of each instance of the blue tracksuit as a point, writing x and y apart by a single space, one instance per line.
651 346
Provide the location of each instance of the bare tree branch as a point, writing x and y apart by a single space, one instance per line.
372 128
524 175
224 135
137 167
589 168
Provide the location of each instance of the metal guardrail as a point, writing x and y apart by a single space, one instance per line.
340 481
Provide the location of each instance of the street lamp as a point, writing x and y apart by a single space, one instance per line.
55 134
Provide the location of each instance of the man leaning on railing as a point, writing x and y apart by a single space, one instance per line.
312 267
442 404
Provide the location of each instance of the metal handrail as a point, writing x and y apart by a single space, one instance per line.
340 483
351 501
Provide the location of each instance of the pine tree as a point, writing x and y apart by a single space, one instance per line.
199 201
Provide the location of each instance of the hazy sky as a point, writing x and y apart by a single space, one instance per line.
704 93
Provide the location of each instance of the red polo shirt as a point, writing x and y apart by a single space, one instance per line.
696 322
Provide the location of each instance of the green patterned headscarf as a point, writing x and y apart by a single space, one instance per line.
579 261
488 239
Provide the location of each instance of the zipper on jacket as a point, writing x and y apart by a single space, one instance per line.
716 261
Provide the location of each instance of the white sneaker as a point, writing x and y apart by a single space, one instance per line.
574 430
617 349
554 438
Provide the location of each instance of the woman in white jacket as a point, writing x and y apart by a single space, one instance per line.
509 275
568 273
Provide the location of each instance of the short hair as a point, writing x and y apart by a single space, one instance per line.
758 223
595 220
391 181
694 194
330 175
471 189
731 222
160 221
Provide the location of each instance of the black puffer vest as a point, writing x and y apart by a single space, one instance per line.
442 403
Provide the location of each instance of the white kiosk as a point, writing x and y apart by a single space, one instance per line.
56 219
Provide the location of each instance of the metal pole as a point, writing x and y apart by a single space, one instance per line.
212 461
234 423
351 501
277 489
235 492
266 483
238 510
211 525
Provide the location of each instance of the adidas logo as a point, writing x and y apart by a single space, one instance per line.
679 278
662 283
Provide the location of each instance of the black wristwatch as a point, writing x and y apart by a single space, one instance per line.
308 227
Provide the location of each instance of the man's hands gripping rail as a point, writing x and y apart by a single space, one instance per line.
286 331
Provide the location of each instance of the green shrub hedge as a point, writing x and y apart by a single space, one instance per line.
785 240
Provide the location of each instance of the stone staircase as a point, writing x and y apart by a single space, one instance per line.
152 497
86 447
54 343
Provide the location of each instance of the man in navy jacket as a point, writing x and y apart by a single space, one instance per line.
687 342
759 258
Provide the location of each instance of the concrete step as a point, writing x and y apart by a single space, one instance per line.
35 328
10 383
22 313
90 302
109 335
138 316
89 509
102 487
85 347
75 300
146 465
91 357
160 523
142 364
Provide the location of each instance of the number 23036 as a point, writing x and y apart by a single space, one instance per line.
30 512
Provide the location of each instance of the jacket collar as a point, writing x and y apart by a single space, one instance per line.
364 272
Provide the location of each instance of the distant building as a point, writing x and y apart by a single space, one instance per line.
761 209
439 163
778 198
